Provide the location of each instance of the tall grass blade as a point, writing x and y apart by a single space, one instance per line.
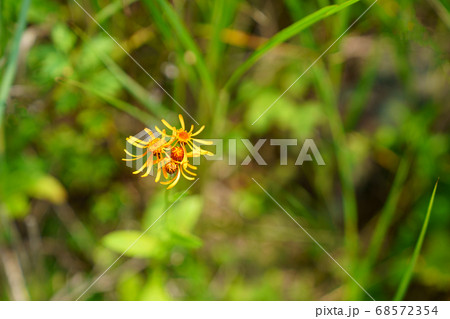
11 66
401 291
187 41
222 15
286 34
119 104
112 9
384 222
387 213
127 82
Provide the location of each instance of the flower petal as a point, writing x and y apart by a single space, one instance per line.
205 142
168 125
199 131
180 117
176 180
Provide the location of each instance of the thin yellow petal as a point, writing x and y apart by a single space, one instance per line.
176 180
137 140
129 154
149 132
137 145
180 117
168 182
158 174
166 176
187 177
191 166
141 169
135 157
189 172
159 131
203 141
168 125
199 131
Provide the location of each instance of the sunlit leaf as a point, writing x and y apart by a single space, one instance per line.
132 243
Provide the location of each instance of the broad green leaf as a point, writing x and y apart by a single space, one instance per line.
129 285
155 207
144 246
185 214
155 287
185 240
17 205
49 188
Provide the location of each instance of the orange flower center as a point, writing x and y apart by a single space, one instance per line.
177 153
183 136
171 167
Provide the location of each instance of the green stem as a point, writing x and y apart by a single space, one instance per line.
11 67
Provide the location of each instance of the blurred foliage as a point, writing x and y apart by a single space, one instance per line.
376 105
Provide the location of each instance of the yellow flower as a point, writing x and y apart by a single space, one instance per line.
168 153
155 150
185 137
180 169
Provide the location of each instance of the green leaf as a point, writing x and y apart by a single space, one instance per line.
155 207
88 58
49 188
401 291
63 38
286 34
104 82
185 240
142 246
129 285
17 205
185 214
155 287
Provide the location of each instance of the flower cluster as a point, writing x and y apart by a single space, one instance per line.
169 152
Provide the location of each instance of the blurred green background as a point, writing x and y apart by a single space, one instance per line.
376 105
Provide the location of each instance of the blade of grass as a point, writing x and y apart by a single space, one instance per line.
284 35
119 104
326 91
187 41
221 17
134 88
11 66
222 14
111 9
441 11
382 226
362 92
127 82
403 287
387 214
186 70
